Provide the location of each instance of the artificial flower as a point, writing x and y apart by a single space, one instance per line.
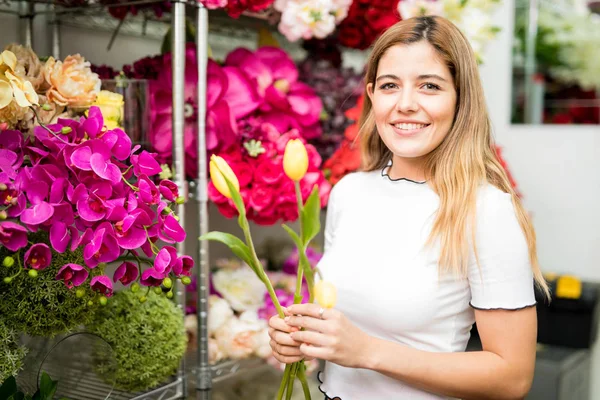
126 273
236 338
28 66
72 275
240 287
295 160
12 236
418 8
103 285
72 82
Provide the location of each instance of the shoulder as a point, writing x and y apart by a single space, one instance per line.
353 184
493 202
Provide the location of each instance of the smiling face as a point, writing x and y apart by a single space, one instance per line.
414 100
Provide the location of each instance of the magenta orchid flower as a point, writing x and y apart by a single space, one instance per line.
145 164
14 200
166 260
102 285
41 211
12 236
184 267
102 248
91 204
130 232
72 275
152 277
126 273
148 192
38 256
168 190
171 231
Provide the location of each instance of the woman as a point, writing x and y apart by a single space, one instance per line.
428 239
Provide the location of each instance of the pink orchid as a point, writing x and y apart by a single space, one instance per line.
38 256
130 232
171 231
12 236
102 285
148 192
102 248
184 267
145 164
152 277
72 275
126 273
166 260
168 190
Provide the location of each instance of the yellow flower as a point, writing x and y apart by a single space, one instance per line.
6 93
7 60
111 105
25 95
295 160
218 170
325 294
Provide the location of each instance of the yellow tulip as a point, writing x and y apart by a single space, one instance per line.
111 104
295 160
325 294
218 169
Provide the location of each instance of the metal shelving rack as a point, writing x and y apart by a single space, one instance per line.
203 373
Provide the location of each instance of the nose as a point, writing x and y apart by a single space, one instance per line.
407 102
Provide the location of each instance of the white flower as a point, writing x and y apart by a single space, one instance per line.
418 8
215 354
307 18
340 9
236 338
219 312
240 287
261 344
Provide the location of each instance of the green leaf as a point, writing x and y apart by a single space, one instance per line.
47 387
294 237
236 245
239 203
309 274
8 388
310 217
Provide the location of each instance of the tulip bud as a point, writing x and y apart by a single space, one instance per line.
33 273
218 169
325 294
8 261
295 160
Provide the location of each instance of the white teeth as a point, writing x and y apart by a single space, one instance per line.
409 127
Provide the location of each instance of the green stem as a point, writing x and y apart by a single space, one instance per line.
261 272
129 184
135 258
303 381
46 128
283 384
298 295
290 383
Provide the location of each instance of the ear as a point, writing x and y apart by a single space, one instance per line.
370 91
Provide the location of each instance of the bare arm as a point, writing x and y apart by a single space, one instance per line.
503 370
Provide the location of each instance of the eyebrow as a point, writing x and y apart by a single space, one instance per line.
420 77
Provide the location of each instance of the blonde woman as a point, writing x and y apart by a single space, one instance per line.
426 240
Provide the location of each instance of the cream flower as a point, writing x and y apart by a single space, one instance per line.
219 313
305 19
240 287
72 82
23 91
418 8
13 85
236 338
29 66
215 354
262 348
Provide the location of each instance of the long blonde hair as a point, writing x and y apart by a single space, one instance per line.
465 158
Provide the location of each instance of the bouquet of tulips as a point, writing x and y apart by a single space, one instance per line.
295 165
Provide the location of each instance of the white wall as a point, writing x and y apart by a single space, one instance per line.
557 168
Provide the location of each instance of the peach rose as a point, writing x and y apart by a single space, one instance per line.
72 82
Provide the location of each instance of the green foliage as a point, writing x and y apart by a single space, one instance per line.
238 247
11 354
309 217
43 306
10 391
148 339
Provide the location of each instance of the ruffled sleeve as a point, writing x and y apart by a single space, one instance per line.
503 279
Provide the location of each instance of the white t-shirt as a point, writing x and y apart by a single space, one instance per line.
388 283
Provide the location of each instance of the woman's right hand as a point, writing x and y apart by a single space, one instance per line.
285 349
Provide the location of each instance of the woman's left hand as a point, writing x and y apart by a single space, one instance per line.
333 338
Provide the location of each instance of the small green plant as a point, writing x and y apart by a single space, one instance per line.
11 354
46 391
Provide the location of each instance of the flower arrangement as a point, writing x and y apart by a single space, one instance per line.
295 166
33 92
72 180
148 339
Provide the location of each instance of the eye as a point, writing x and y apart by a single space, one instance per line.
430 86
388 86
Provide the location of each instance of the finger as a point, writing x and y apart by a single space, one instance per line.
310 337
279 324
314 324
284 338
285 350
312 352
287 359
311 310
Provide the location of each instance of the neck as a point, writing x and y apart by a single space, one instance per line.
407 168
